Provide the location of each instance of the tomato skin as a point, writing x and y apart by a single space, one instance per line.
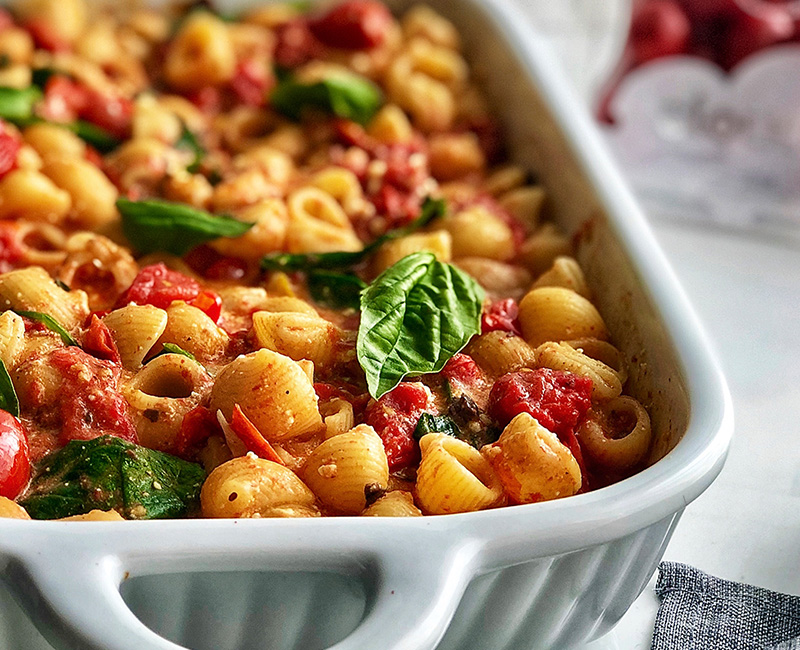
748 34
66 100
15 464
394 417
159 286
353 25
558 400
9 146
112 113
99 342
502 315
45 36
296 44
197 426
10 250
250 83
251 437
209 303
462 368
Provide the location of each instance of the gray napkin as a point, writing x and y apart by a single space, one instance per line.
701 612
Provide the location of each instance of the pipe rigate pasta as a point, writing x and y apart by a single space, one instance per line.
454 477
342 467
252 487
136 329
396 503
531 462
617 434
557 314
606 383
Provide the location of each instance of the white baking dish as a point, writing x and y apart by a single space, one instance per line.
547 575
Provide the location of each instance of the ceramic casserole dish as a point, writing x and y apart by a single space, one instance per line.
545 575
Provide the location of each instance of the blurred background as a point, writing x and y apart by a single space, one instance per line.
699 101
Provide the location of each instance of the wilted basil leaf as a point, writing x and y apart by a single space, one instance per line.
336 290
8 396
156 225
16 104
50 323
348 96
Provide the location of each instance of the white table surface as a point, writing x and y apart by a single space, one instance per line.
746 290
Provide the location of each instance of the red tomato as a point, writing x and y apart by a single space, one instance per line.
353 25
10 251
394 417
15 464
750 33
251 437
99 342
197 426
89 402
558 400
112 113
501 315
159 286
6 19
226 268
45 36
208 99
462 368
251 82
659 28
64 99
705 9
9 146
296 44
210 303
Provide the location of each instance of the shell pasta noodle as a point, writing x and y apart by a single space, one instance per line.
251 274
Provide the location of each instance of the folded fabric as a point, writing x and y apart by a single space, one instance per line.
701 612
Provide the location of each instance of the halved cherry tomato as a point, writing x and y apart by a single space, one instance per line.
394 417
502 315
210 303
66 100
159 286
9 146
250 83
353 25
45 36
251 437
15 464
197 426
99 342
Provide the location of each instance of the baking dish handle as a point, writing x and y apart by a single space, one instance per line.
74 596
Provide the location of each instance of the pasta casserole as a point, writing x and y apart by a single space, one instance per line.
277 264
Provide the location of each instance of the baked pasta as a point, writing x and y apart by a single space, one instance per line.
276 265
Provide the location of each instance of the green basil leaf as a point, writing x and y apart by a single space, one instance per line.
94 135
156 225
428 423
50 323
16 105
108 472
171 348
336 290
8 396
342 260
40 76
348 96
189 142
414 317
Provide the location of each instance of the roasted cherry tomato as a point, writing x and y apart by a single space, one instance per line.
99 342
15 464
394 417
210 303
159 286
9 146
353 25
502 315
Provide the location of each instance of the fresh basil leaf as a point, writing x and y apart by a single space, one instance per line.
8 396
336 290
428 423
16 105
171 348
189 142
108 472
94 135
156 225
40 76
348 96
342 260
414 317
62 285
50 323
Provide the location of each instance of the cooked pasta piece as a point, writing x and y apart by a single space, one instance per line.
532 463
477 232
453 156
504 179
193 330
95 515
52 141
41 244
136 329
500 279
29 193
11 510
605 352
422 21
32 289
273 391
201 54
567 273
396 503
616 435
317 223
558 314
338 417
438 242
525 204
12 338
606 383
299 336
252 487
63 20
161 394
499 352
390 125
454 477
342 467
540 250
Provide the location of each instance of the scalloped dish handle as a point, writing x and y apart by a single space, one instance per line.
74 595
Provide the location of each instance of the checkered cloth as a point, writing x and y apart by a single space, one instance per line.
701 612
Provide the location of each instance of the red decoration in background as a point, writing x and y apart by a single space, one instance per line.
721 31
